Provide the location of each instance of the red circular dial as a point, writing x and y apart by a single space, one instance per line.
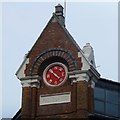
55 74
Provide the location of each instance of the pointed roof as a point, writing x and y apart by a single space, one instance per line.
56 18
53 19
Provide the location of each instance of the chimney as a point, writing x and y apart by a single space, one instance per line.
89 53
59 14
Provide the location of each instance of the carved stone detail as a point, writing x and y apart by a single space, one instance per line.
30 81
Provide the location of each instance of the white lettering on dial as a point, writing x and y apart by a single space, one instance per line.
63 74
48 75
50 81
60 69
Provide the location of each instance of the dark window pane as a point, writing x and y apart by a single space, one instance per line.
119 109
119 98
99 93
112 109
112 96
99 106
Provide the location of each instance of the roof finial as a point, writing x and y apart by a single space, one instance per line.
59 13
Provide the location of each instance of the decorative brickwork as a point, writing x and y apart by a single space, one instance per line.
73 98
50 53
53 36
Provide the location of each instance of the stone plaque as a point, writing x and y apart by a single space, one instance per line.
56 98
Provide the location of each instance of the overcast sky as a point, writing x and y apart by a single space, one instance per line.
93 22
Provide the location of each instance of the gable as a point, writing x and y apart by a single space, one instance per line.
54 36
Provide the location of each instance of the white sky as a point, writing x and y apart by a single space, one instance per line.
22 23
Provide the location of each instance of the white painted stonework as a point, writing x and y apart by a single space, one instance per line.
56 98
87 57
89 53
92 84
84 75
30 81
85 62
20 72
26 83
79 76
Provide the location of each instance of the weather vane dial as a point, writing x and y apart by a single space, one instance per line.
55 74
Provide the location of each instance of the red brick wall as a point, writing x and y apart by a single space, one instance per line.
81 104
53 36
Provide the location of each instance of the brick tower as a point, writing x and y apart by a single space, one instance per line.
57 76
